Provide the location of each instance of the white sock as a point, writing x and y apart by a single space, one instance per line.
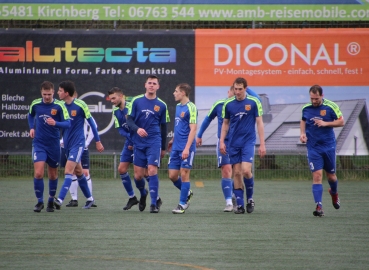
229 202
74 190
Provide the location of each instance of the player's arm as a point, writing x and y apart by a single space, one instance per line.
223 135
163 132
31 124
191 137
260 127
303 137
99 145
132 125
90 134
335 123
205 124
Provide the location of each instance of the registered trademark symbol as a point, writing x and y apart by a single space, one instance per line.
353 48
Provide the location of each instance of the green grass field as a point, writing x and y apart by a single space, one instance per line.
282 233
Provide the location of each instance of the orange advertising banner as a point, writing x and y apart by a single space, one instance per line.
282 57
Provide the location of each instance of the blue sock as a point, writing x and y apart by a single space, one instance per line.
82 182
227 188
147 178
317 193
154 188
65 187
178 183
38 186
333 186
140 184
239 197
126 181
53 184
249 185
184 192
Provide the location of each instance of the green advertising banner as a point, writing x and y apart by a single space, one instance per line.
188 12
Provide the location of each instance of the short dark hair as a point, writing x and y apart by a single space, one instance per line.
316 89
240 80
185 87
46 85
153 77
115 90
68 87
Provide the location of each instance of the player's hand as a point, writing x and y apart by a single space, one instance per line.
170 144
222 148
32 133
185 153
303 138
50 121
319 123
142 133
262 150
99 147
198 142
130 147
162 154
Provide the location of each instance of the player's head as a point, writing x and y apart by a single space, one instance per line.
152 84
316 95
182 90
231 91
47 91
116 96
66 88
240 85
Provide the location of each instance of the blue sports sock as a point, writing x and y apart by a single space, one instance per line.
249 186
140 184
38 186
178 183
147 178
317 193
82 182
126 181
65 187
53 184
239 197
333 186
227 188
184 192
154 188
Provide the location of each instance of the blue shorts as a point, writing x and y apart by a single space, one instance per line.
74 153
222 159
176 162
126 155
147 156
51 156
85 160
241 154
322 158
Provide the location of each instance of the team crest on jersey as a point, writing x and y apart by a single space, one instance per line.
182 114
53 112
247 107
73 113
156 108
323 112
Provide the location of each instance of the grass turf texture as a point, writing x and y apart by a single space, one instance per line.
282 233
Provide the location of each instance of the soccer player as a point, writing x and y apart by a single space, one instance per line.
147 119
85 161
319 117
74 142
120 110
240 113
45 118
223 160
183 146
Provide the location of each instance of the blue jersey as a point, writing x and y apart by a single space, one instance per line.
242 119
120 122
185 115
320 136
78 112
148 114
39 111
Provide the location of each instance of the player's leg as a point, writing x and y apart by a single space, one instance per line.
153 154
140 164
53 159
82 182
226 182
126 158
330 168
315 161
39 158
85 162
74 185
238 188
248 152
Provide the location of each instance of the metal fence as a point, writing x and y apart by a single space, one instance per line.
272 167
